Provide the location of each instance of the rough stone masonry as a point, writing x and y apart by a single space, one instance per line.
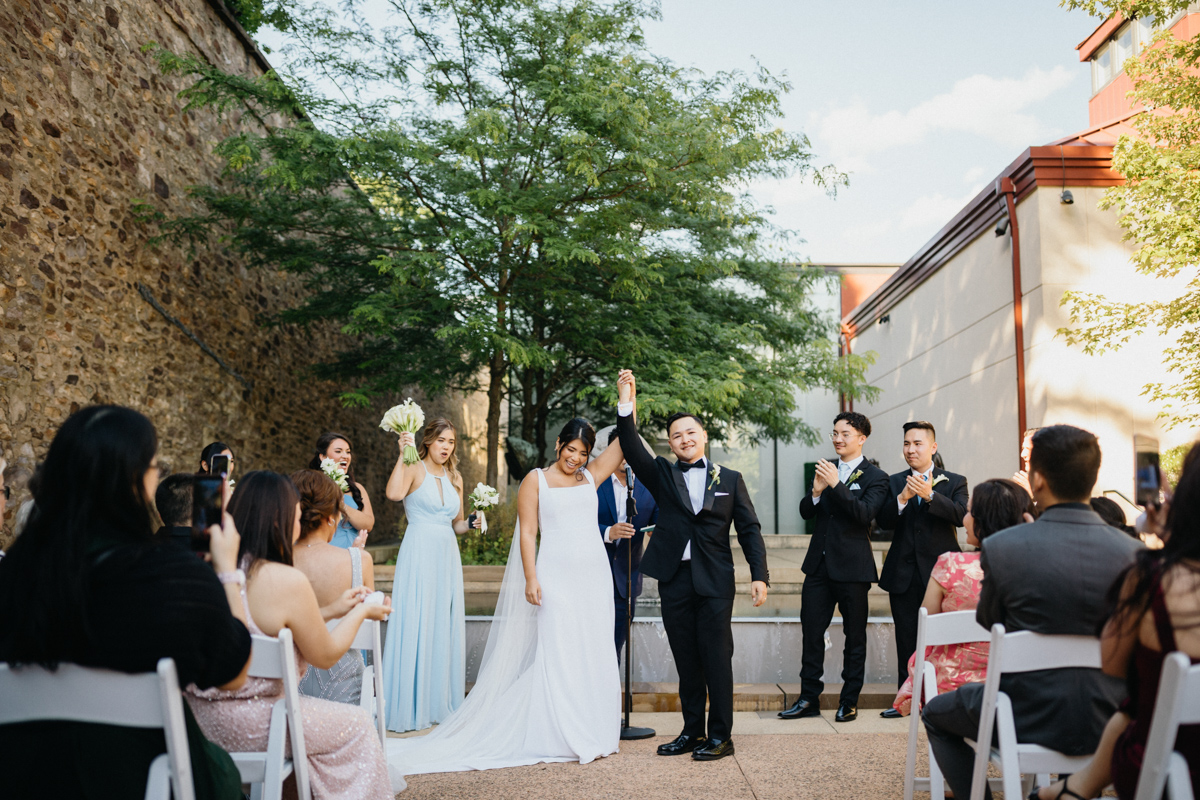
88 126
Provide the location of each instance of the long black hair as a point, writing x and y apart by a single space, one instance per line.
91 484
1182 546
323 441
997 504
263 507
210 450
577 429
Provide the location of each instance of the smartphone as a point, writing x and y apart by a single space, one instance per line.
219 465
206 509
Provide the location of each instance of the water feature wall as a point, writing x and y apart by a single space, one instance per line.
766 650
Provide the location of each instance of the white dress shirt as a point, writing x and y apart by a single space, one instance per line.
845 470
927 474
620 493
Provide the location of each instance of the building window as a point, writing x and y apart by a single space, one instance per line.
1102 71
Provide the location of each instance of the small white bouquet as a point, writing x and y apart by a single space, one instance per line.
335 474
483 498
405 418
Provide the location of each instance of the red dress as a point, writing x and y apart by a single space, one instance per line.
960 576
1143 692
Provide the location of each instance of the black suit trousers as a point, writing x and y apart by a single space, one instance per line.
700 632
622 608
818 597
906 610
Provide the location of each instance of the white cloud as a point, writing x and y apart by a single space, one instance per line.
981 105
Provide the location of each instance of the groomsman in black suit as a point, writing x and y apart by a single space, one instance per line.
925 506
621 535
839 567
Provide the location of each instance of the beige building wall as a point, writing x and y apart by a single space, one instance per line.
947 352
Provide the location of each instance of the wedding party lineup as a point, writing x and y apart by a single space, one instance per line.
631 399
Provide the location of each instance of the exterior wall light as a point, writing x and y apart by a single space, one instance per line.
1066 198
1002 226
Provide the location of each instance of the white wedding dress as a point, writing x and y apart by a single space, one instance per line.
549 685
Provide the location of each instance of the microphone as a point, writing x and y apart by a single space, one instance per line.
629 476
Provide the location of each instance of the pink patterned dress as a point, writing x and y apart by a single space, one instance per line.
345 758
960 576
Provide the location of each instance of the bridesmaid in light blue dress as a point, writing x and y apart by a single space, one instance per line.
358 518
424 656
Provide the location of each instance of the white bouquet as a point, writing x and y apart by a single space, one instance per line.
335 474
484 497
405 418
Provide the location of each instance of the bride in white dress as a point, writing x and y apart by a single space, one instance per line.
548 687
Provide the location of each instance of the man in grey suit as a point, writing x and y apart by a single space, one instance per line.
1049 576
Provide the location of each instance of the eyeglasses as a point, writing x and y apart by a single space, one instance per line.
835 436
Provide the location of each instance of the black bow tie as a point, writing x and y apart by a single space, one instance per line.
684 466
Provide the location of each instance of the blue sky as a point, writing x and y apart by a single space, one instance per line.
922 103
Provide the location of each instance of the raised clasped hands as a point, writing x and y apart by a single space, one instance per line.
758 592
626 387
917 486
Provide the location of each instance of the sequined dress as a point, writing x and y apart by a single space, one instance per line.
960 576
343 682
345 758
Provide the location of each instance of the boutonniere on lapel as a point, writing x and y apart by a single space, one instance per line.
938 480
715 474
853 477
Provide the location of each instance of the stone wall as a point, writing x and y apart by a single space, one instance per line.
88 126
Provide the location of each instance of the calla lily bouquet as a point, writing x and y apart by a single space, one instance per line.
335 474
405 418
484 497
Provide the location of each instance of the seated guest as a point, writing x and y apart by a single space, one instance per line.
331 574
1157 611
173 499
87 584
1112 514
1050 577
954 586
345 757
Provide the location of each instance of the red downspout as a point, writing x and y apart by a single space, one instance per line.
846 402
1009 191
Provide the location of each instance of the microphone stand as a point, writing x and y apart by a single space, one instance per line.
629 731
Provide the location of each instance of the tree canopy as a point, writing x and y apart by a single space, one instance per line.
516 196
1157 206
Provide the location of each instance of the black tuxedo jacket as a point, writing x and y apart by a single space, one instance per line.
843 525
726 503
924 531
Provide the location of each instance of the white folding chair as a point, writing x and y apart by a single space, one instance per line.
1178 703
83 694
951 627
1023 651
370 637
266 771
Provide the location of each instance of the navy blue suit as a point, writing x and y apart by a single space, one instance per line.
618 552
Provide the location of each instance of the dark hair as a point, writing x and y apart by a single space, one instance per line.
1112 514
997 504
173 499
210 450
613 434
1068 458
855 420
320 498
671 420
578 428
91 484
1182 548
263 508
918 425
323 441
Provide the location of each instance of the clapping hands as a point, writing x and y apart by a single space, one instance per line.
827 476
916 486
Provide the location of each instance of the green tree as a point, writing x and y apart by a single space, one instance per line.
514 195
1157 206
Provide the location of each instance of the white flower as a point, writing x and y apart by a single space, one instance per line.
405 418
715 474
484 496
938 480
335 474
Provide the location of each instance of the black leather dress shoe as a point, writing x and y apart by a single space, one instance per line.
890 713
682 744
801 708
714 749
846 714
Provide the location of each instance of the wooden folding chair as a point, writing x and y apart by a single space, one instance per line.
83 694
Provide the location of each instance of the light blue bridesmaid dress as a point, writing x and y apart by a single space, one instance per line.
346 533
424 657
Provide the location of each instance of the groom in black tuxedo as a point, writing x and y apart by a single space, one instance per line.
839 567
689 555
925 506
